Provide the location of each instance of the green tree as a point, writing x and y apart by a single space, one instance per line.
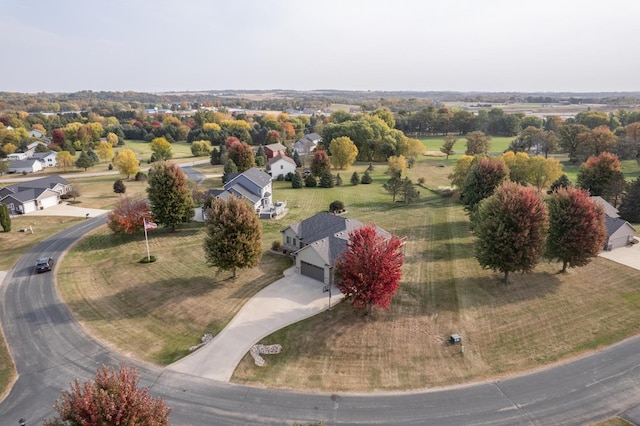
310 181
543 171
326 180
510 229
84 161
562 182
5 218
169 195
4 167
161 149
355 179
394 185
570 140
477 143
577 232
296 159
119 187
233 235
126 162
460 171
296 181
201 148
229 169
111 399
366 178
215 156
343 152
485 175
338 180
630 206
447 146
408 191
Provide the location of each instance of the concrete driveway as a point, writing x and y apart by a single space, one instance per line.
286 301
65 209
629 255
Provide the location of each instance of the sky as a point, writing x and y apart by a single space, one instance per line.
399 45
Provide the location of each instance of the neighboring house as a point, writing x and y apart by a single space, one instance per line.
35 133
253 185
307 143
26 197
280 165
274 149
318 242
48 159
17 156
31 148
620 233
25 166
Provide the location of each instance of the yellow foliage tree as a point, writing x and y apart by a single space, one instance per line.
39 127
64 160
543 171
460 171
126 162
105 149
112 139
9 148
161 148
211 126
397 165
343 152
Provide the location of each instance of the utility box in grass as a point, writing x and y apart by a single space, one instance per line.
455 339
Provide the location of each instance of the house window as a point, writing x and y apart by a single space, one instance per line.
288 240
281 167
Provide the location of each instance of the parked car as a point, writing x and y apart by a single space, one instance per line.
44 264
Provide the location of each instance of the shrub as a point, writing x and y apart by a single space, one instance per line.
280 178
355 179
149 259
421 181
289 177
140 177
296 181
276 245
110 166
310 181
336 207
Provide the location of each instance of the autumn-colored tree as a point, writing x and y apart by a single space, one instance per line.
105 150
84 161
477 143
58 138
127 216
201 148
233 235
630 206
519 166
485 175
543 171
161 149
577 230
320 163
510 228
119 187
598 140
169 195
447 146
370 269
396 165
460 171
4 167
240 153
112 139
272 137
343 152
64 160
127 163
602 176
9 148
113 398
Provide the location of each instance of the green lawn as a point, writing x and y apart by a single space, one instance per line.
180 150
497 144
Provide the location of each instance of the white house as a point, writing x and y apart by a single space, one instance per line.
37 194
318 242
17 156
280 165
35 133
25 166
48 159
620 233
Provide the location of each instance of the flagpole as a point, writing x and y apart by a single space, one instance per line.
146 238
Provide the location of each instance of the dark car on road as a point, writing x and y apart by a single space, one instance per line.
44 264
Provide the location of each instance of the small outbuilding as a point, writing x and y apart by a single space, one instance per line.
455 339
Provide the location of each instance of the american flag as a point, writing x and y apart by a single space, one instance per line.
149 225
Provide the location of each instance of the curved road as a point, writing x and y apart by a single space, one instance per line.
51 350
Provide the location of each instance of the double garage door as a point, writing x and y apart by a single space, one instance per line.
312 271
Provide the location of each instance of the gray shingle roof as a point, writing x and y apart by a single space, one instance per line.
613 224
281 157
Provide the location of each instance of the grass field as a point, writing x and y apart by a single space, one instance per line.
155 312
497 144
180 150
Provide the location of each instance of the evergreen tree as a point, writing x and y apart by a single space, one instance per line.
326 180
91 153
355 179
366 178
229 168
169 195
562 182
408 191
296 158
234 235
296 181
215 156
338 180
84 161
310 181
630 207
393 185
119 187
5 218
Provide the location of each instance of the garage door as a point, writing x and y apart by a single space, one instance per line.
49 201
312 271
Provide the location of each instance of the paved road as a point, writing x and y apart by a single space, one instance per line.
51 350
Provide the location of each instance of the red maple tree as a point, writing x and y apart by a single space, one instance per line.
111 399
370 269
127 217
